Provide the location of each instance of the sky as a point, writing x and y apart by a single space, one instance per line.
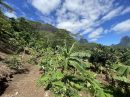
101 21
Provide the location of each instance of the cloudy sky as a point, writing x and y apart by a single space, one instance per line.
102 21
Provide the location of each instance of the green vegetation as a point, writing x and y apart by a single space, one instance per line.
14 63
69 66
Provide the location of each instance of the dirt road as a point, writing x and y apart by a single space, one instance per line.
25 85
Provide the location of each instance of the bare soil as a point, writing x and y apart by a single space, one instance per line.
24 84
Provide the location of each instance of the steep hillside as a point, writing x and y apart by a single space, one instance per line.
16 34
43 27
124 43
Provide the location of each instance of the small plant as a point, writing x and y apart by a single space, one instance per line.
13 63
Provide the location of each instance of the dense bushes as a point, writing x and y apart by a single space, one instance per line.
65 73
67 67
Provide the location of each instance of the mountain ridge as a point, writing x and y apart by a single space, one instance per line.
124 42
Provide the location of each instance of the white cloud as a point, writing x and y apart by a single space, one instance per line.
82 16
122 27
126 10
17 9
10 14
77 15
71 26
74 15
88 30
96 34
113 13
45 6
93 40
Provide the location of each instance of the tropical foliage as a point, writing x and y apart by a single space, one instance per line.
66 74
70 67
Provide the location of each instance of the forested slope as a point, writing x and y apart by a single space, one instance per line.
69 67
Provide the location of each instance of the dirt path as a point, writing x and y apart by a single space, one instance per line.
24 85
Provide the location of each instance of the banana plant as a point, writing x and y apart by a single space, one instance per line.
121 69
70 55
59 76
121 78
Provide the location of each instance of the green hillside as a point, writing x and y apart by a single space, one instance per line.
69 67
